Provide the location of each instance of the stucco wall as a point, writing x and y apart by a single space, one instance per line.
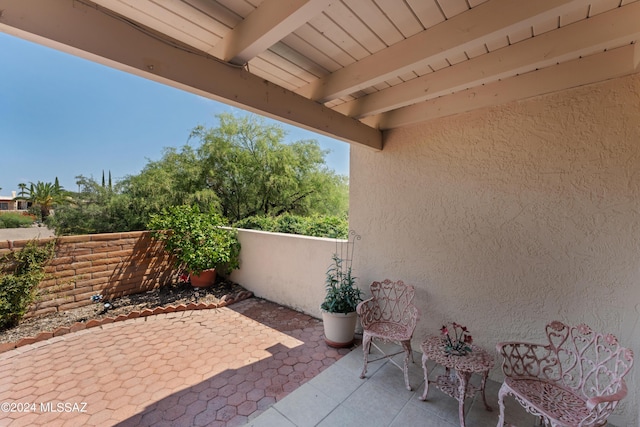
510 217
285 268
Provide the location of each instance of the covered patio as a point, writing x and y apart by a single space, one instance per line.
495 161
252 363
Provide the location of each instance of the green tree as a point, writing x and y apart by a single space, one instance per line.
241 168
254 172
45 196
86 209
23 189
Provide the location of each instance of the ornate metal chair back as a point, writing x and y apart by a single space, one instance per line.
394 301
590 363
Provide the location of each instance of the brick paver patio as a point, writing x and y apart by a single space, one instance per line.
218 367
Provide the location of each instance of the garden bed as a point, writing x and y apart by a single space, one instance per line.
177 295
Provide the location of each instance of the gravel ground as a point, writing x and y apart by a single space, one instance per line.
182 293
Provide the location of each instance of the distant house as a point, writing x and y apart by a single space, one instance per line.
11 204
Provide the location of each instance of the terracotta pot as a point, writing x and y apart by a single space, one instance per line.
204 279
339 328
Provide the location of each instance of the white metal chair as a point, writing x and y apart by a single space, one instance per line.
574 380
390 316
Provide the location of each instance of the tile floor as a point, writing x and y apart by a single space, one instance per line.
195 368
338 397
253 363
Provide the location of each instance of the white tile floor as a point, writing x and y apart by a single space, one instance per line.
338 397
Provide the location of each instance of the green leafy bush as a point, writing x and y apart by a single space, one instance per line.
21 272
342 295
197 240
15 220
318 225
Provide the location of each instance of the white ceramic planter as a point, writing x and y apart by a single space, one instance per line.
339 328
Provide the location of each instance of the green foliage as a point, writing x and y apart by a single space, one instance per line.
22 271
197 240
94 209
253 172
15 220
242 168
342 295
317 225
45 196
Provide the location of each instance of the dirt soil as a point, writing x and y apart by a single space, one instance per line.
175 294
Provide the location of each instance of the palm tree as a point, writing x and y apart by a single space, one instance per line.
23 189
46 196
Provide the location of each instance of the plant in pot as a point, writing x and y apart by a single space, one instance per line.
341 299
198 242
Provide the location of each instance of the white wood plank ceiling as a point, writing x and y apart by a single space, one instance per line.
347 68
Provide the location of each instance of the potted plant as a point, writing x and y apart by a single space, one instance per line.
198 242
339 307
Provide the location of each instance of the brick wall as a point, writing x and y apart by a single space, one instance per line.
113 265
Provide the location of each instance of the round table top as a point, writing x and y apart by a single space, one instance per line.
478 360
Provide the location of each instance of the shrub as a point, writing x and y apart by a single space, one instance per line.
21 272
15 220
197 240
318 225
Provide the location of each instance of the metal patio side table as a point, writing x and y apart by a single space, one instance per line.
456 385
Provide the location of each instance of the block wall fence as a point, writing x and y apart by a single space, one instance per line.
113 265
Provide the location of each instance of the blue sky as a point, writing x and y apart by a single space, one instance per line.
64 116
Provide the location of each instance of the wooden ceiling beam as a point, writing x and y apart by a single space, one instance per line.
448 38
611 64
272 21
614 28
87 30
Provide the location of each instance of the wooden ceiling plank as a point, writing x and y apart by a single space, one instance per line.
180 33
376 20
545 26
601 6
264 27
474 3
293 69
452 8
614 28
339 37
476 51
215 10
241 8
315 38
266 70
90 33
496 43
440 64
574 15
427 11
520 35
401 16
195 16
345 18
313 54
457 57
596 68
440 41
313 70
166 14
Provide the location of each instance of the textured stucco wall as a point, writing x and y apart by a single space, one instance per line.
510 217
285 268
